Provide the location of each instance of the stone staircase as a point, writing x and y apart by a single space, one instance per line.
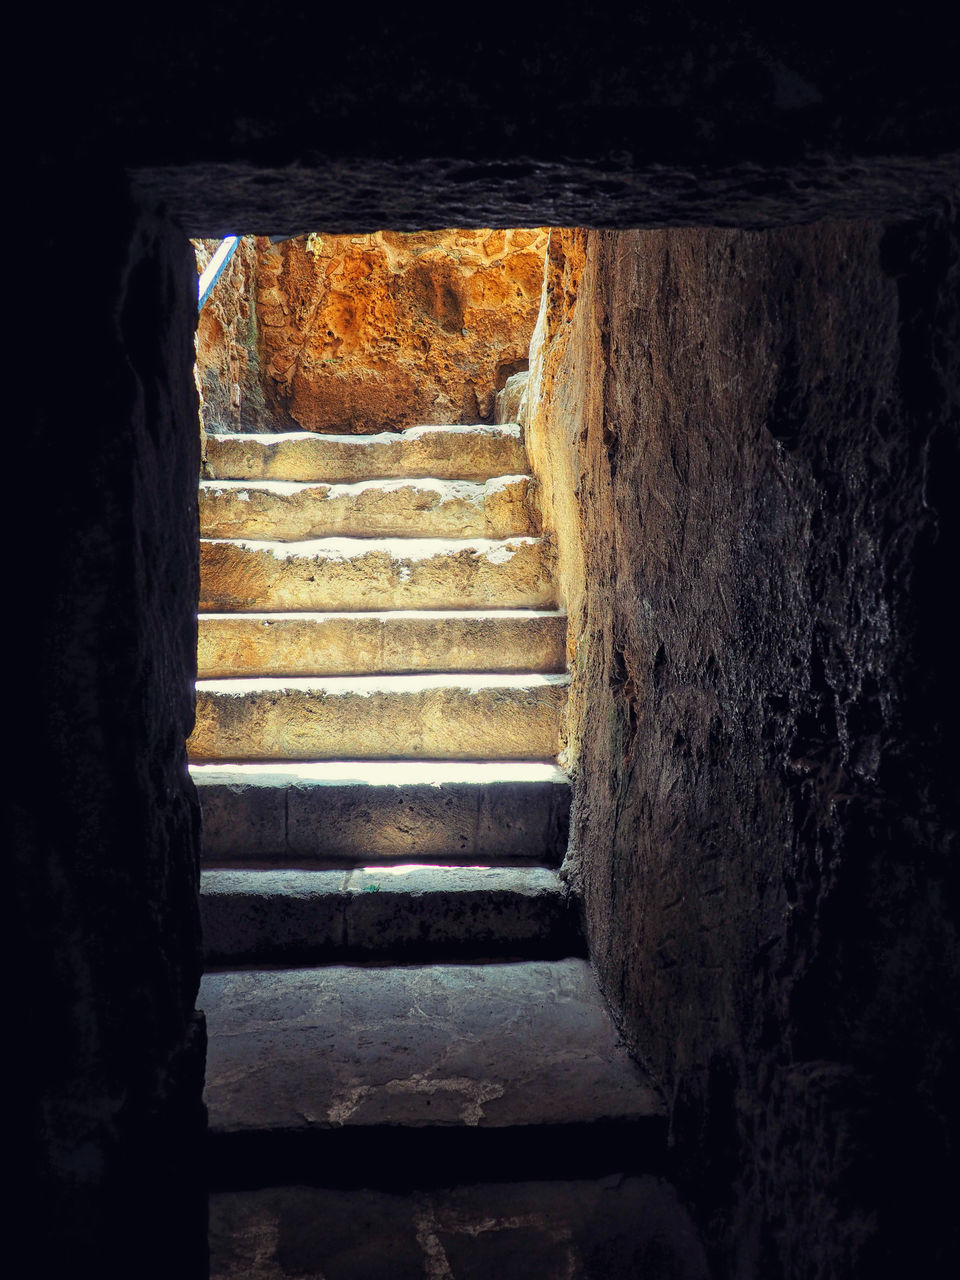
401 1018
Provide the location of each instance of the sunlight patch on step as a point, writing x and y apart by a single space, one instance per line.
435 773
464 489
413 868
383 615
497 551
367 686
377 437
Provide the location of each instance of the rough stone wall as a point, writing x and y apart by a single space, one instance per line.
365 333
754 444
228 357
108 1056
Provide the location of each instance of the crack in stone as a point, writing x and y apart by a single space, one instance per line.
435 1257
476 1093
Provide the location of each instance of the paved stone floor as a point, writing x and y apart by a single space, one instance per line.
489 1045
610 1228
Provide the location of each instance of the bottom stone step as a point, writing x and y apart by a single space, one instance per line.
344 1072
349 811
610 1228
400 913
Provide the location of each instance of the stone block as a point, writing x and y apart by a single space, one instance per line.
345 574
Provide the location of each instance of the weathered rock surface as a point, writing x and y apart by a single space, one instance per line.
228 359
370 508
444 452
612 1228
510 399
396 641
387 913
362 811
350 574
749 447
359 333
478 716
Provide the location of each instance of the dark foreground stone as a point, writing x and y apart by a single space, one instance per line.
340 1073
608 1228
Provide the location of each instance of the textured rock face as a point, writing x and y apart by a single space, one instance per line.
228 360
361 333
752 444
365 333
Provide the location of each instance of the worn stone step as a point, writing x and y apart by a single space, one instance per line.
399 913
428 508
397 641
611 1227
446 452
476 716
349 811
351 574
341 1071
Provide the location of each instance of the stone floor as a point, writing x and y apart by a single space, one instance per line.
494 1045
610 1228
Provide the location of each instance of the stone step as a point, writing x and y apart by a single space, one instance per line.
397 641
429 508
613 1226
350 574
481 716
448 453
342 812
339 1072
401 914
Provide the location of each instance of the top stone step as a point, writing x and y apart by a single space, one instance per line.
444 453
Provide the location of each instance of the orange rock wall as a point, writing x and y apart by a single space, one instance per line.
362 333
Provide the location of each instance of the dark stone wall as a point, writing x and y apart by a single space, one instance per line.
666 114
104 819
765 818
683 83
777 710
